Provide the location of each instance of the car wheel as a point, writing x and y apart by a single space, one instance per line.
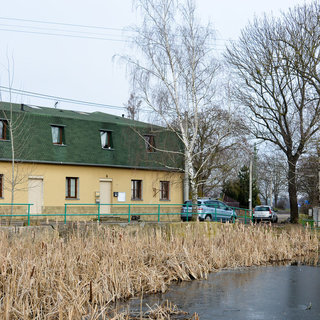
207 218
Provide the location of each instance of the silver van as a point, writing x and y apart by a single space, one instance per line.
208 210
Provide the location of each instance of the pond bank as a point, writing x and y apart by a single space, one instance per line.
273 292
79 272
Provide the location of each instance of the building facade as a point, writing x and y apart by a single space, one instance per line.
79 159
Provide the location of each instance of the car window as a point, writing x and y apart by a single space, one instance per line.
261 209
222 206
212 204
189 203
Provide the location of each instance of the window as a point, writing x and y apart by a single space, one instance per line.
72 187
164 190
1 185
212 204
136 189
150 143
106 139
57 135
3 129
222 206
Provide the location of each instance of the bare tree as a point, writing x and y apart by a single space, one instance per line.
272 177
18 135
219 148
308 176
176 71
276 61
133 107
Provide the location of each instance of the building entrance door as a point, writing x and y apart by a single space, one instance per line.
105 195
35 194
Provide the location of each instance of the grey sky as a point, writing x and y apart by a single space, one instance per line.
81 68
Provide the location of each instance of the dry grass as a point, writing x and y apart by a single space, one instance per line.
45 276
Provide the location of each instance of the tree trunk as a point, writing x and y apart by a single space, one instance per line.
12 163
292 188
194 195
276 200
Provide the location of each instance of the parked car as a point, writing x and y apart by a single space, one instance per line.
264 213
208 210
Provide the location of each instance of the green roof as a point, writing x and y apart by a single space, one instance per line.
82 145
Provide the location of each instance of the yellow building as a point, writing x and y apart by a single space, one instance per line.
88 162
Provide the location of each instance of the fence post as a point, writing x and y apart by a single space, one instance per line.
187 212
28 214
65 213
129 213
215 213
158 212
99 212
245 216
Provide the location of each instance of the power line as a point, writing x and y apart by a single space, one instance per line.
73 25
64 24
55 29
63 35
61 99
86 37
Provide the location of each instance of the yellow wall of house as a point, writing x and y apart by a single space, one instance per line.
54 183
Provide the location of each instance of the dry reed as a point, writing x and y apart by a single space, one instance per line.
47 276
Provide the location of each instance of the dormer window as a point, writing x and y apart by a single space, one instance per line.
150 143
57 135
106 139
3 129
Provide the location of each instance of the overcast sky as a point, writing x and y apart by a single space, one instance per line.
81 67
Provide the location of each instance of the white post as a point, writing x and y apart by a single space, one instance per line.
186 167
316 217
250 186
186 182
271 192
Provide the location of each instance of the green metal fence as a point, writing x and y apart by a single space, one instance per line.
127 212
13 206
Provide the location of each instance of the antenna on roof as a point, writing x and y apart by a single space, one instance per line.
56 104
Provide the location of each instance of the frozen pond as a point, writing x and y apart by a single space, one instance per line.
281 292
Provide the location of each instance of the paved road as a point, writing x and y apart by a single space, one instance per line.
283 216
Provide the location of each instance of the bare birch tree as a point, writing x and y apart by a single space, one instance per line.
176 71
276 61
17 134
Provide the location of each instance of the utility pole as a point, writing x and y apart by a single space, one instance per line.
271 192
186 167
316 212
250 185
